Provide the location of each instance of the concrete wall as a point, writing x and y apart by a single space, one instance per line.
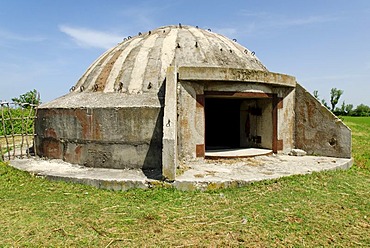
318 131
190 123
286 119
260 125
102 137
245 137
264 123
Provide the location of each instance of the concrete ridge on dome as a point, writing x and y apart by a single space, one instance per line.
139 64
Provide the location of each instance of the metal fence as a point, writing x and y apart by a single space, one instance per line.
17 130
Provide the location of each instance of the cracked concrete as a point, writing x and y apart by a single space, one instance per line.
202 175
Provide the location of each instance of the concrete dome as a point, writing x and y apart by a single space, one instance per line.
139 64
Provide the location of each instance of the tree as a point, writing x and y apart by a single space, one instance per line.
362 110
323 102
348 109
335 94
26 100
345 109
316 94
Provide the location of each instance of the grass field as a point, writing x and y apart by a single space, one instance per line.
321 209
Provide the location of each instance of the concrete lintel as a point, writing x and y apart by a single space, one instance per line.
235 74
169 152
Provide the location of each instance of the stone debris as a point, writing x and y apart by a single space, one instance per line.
297 152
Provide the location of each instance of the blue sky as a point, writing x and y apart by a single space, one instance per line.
48 44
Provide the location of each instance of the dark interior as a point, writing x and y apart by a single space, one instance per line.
222 120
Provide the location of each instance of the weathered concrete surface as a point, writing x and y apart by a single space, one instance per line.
286 119
235 75
319 131
189 135
108 137
169 151
200 175
265 122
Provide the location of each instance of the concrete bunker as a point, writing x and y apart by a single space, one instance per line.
170 94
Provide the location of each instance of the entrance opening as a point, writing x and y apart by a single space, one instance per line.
238 123
222 121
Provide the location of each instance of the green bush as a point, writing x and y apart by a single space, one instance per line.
16 120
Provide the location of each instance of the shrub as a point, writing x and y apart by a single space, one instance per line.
16 120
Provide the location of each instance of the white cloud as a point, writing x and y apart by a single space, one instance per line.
85 37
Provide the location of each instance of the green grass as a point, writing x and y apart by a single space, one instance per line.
360 140
321 209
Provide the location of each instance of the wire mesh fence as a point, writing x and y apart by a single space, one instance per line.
17 129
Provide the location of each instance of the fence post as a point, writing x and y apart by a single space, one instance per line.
4 129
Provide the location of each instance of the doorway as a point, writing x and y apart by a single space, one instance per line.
222 122
242 122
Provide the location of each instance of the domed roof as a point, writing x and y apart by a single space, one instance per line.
139 64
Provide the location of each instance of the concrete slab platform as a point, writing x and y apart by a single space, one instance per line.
201 175
237 153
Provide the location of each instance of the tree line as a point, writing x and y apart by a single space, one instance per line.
344 109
